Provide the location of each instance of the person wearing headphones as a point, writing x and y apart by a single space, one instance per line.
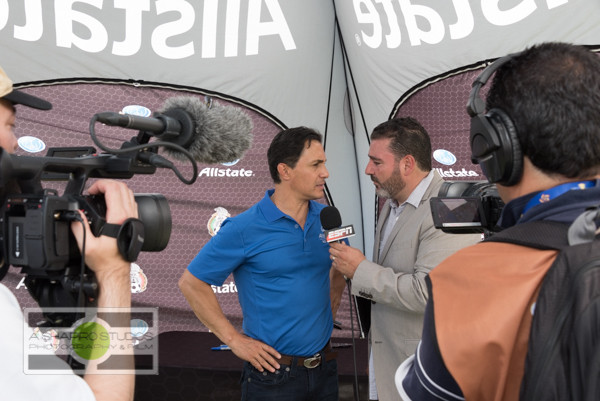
540 143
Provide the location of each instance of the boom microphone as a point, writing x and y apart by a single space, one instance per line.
331 222
212 134
162 126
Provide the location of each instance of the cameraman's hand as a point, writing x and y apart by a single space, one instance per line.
112 272
101 253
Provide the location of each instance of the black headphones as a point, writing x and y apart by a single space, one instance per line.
493 139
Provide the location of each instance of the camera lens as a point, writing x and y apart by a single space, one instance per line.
155 213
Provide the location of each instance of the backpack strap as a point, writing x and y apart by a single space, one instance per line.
584 228
544 235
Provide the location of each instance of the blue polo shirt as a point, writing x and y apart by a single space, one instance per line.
281 272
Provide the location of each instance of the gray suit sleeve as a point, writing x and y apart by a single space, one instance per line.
400 280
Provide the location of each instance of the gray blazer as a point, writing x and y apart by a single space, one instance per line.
395 284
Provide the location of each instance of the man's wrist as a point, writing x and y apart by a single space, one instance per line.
115 286
117 271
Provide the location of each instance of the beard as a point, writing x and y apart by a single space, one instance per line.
390 187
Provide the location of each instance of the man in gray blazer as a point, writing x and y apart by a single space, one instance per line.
407 246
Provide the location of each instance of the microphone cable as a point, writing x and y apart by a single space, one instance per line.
75 216
356 388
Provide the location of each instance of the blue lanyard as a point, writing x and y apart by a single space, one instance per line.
549 194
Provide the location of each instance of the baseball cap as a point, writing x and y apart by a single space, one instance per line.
17 97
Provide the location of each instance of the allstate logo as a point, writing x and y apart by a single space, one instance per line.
445 157
31 144
136 110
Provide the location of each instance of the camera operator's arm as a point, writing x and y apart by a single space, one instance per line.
112 272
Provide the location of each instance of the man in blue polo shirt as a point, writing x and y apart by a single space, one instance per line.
280 261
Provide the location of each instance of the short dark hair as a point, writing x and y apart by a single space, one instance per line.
287 146
551 91
408 137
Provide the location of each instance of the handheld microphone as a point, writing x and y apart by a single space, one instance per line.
331 222
212 134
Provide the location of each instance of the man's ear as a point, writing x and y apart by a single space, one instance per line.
408 164
284 171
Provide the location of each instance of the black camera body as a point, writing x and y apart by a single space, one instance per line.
36 230
463 207
33 237
35 223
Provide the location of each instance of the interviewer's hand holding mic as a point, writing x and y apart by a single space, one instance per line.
345 258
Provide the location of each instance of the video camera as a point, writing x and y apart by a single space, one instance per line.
467 207
35 222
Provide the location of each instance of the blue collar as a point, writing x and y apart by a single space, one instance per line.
272 212
551 193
